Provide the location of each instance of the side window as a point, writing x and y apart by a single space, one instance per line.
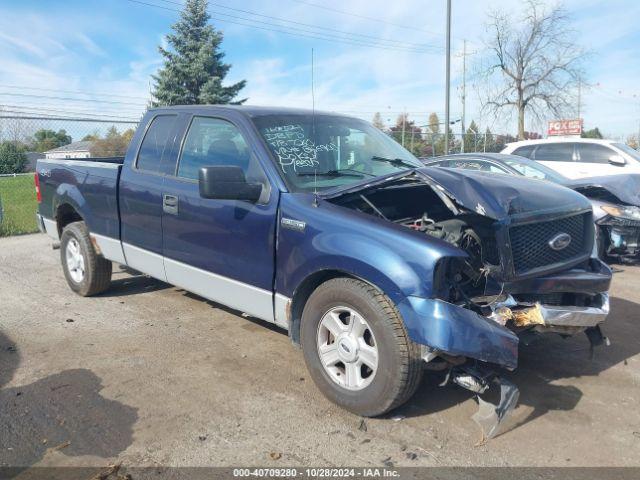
525 151
554 152
594 153
480 165
211 142
154 144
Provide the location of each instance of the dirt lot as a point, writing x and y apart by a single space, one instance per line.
150 375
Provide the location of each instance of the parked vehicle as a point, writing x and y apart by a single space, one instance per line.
615 199
328 228
579 157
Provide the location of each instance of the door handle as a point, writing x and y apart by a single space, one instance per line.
170 204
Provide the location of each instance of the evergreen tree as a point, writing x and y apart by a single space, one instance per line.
377 121
434 123
593 133
193 70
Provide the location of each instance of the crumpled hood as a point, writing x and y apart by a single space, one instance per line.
625 187
500 196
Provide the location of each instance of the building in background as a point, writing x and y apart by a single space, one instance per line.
80 149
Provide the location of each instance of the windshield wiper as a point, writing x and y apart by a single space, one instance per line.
336 173
398 162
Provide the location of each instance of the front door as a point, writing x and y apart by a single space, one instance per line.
220 249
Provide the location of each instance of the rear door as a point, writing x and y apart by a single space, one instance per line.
560 156
140 195
221 249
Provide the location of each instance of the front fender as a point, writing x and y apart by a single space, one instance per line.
398 261
458 331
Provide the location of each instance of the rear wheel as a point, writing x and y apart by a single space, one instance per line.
87 273
357 349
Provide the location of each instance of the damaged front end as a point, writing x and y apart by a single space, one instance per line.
528 270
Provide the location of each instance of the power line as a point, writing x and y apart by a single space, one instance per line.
70 99
316 27
305 33
95 94
59 111
351 14
67 119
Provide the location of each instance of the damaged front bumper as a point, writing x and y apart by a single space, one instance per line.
472 345
540 315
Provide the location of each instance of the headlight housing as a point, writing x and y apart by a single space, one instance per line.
622 211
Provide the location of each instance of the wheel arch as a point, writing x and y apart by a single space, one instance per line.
66 213
304 291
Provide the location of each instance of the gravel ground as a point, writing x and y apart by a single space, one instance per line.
148 374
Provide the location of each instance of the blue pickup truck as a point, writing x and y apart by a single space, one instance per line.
320 223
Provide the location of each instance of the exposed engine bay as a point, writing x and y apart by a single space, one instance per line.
424 208
480 281
491 280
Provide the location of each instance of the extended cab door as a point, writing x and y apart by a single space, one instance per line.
140 195
220 249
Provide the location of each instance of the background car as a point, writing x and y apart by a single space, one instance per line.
579 157
615 198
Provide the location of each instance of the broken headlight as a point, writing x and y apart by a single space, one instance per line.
622 211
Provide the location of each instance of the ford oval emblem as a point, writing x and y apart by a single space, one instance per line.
560 241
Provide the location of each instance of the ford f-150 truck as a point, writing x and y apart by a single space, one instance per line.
320 223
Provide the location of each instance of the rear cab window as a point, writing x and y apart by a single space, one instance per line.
155 146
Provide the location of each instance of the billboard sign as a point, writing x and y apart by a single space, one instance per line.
565 127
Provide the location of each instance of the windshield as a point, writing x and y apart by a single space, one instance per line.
628 150
528 169
325 151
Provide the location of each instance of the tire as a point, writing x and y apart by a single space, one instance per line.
93 274
399 366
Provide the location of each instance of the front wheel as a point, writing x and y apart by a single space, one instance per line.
357 349
87 273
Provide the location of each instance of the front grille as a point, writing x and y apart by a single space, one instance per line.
530 242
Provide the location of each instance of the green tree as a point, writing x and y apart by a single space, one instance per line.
471 137
12 158
114 144
434 123
45 139
193 70
377 121
593 133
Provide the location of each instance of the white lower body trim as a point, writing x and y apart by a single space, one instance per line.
147 262
255 301
232 293
51 228
110 248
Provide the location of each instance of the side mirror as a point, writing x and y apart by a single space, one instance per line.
617 160
227 182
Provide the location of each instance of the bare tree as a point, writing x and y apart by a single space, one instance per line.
533 66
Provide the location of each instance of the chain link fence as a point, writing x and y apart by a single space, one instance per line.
432 144
24 139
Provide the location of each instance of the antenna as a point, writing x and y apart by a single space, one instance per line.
313 135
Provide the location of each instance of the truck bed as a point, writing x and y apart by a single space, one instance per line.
90 185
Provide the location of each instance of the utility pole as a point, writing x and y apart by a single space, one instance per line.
464 90
448 79
404 120
579 96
